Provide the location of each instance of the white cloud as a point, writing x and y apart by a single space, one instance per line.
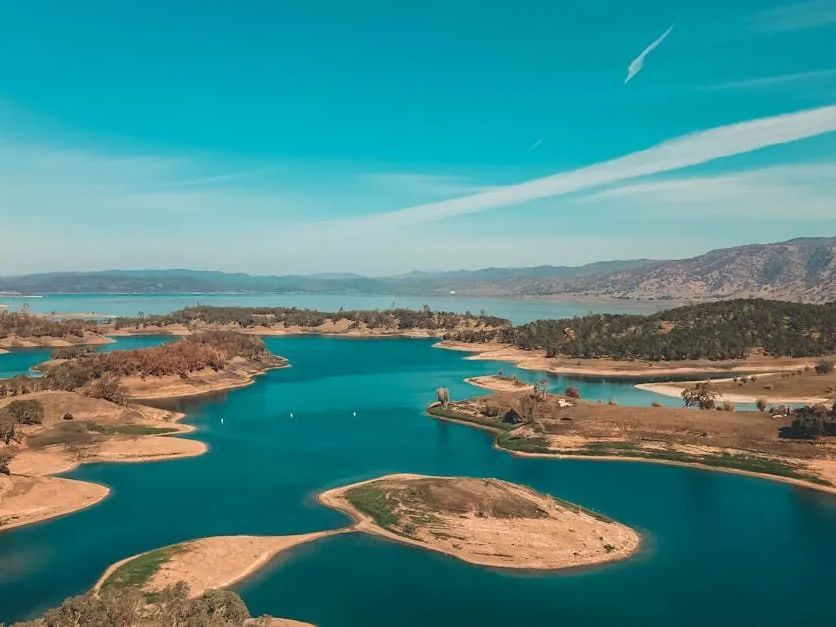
688 150
423 184
796 16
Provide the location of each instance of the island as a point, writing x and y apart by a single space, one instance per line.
483 521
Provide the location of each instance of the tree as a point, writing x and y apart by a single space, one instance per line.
824 367
28 412
6 457
761 404
443 396
701 395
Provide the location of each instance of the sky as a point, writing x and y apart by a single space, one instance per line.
380 137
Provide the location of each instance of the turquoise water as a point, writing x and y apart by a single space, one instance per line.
21 361
518 311
720 549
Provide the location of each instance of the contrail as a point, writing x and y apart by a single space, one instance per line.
637 63
537 143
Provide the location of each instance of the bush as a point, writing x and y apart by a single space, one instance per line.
655 404
824 367
572 392
29 412
68 416
760 404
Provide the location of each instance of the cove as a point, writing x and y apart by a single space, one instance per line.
720 549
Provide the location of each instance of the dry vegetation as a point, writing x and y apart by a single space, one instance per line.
739 441
484 521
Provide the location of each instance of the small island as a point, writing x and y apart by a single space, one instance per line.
483 521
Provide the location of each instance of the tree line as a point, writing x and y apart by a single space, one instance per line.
730 329
249 317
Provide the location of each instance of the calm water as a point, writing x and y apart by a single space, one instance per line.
518 311
721 549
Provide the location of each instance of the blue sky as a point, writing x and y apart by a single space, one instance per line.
380 137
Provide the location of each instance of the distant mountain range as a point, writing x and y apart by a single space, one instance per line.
801 269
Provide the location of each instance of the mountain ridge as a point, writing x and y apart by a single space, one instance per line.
798 269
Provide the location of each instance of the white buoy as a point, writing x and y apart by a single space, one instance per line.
222 420
355 414
291 414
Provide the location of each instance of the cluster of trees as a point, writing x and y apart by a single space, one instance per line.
23 412
722 330
20 324
99 373
129 607
71 352
247 317
811 422
212 349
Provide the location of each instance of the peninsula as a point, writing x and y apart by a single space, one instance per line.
774 443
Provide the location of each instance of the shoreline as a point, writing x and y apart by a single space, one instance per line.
32 485
674 389
235 557
494 383
537 360
335 498
827 489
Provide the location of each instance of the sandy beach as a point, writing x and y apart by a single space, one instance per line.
675 390
510 526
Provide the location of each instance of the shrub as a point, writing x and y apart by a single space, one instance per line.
68 416
572 392
655 404
28 412
824 367
760 404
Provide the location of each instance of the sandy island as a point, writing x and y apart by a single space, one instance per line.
483 521
100 431
48 341
499 383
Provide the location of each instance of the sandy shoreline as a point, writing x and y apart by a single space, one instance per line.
564 539
216 561
89 339
32 494
614 369
498 384
674 389
830 470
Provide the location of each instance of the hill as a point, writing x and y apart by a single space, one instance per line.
801 269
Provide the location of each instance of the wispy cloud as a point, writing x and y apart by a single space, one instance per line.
637 64
765 82
536 143
422 183
798 192
682 152
795 17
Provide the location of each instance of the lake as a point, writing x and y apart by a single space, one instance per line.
518 311
719 549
